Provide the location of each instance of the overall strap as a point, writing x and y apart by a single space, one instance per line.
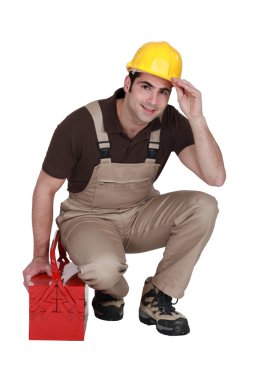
102 136
103 140
153 147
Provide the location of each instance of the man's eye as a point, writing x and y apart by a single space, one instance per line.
145 87
164 92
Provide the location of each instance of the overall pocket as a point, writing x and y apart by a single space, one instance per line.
116 194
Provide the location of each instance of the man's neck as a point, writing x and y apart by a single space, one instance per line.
129 127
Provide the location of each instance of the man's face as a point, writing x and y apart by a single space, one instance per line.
148 97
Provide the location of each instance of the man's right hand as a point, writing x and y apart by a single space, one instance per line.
36 266
42 216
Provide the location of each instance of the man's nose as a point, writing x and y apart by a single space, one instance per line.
152 98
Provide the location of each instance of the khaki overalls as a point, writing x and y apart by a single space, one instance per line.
120 212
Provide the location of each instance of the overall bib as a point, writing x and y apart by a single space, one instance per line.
120 212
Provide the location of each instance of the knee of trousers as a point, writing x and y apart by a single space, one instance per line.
206 208
101 275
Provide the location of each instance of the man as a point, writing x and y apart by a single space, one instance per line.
112 151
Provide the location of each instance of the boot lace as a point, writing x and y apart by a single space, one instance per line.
164 303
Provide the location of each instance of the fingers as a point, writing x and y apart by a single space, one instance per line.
180 92
181 82
49 271
185 85
27 282
34 268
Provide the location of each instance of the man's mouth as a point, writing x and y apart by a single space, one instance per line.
149 111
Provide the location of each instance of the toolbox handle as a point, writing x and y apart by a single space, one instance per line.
56 272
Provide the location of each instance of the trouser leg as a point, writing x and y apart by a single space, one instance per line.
182 222
96 247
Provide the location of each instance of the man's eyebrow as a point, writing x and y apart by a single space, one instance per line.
151 85
147 83
166 89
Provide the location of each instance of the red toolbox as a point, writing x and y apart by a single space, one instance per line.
57 306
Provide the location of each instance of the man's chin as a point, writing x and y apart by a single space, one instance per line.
148 118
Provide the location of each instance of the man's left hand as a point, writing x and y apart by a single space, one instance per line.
189 98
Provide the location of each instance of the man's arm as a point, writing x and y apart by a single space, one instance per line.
42 218
204 158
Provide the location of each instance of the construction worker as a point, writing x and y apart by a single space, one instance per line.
112 151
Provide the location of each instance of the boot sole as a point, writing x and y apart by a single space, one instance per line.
107 313
181 325
109 316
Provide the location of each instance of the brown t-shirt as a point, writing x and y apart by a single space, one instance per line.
73 151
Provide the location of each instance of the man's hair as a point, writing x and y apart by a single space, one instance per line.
133 75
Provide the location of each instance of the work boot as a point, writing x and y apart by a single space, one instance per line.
156 308
107 307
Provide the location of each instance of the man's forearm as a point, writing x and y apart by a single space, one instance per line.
42 218
208 152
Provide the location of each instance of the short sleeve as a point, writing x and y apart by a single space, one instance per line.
183 133
65 148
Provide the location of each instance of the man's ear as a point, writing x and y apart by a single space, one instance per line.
127 84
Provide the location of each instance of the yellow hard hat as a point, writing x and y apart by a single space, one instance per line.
157 58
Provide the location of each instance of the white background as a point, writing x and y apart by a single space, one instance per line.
57 56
